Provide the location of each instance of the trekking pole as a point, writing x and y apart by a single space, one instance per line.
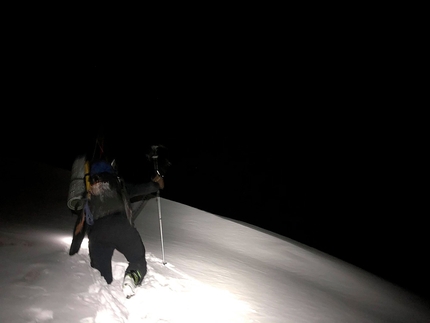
155 160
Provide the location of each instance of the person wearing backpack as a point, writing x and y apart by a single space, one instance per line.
110 226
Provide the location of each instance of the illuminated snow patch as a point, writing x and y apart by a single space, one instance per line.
186 302
166 295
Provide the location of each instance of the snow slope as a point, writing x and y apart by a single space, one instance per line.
216 270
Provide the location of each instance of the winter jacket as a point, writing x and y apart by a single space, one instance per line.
112 196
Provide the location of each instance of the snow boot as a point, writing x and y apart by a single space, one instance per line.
132 279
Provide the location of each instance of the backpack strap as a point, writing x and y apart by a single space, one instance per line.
125 200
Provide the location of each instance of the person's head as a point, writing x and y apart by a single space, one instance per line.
101 171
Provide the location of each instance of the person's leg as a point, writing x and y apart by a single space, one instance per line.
101 259
131 246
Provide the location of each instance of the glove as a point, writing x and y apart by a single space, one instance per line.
159 179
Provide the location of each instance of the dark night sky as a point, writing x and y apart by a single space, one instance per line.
273 138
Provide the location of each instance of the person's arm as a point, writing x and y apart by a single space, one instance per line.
144 189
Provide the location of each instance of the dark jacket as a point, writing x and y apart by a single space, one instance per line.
110 195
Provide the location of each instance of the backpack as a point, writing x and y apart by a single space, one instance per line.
108 193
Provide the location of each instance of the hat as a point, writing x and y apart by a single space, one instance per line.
101 166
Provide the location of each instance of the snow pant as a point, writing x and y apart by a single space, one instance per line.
115 232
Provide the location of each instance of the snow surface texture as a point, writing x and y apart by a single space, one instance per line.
216 270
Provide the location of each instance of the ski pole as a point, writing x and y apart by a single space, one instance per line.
161 225
155 160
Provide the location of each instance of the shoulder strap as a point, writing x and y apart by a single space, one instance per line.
126 200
